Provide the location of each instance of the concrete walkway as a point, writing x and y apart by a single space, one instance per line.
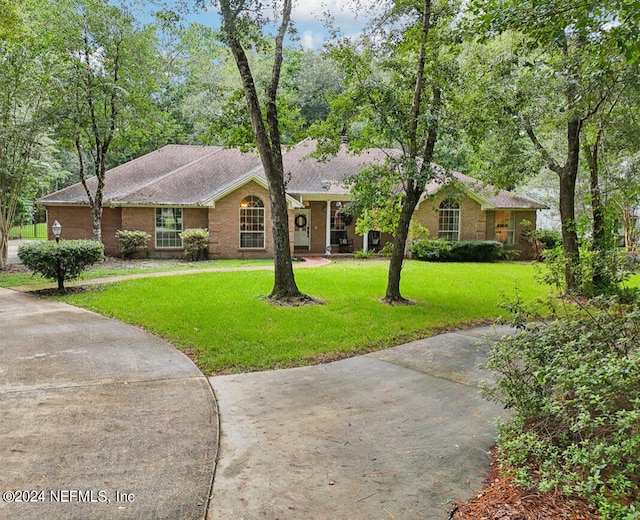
397 434
99 419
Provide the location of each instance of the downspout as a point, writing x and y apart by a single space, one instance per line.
327 249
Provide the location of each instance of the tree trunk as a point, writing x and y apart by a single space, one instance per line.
569 234
397 256
269 148
284 284
567 175
96 222
4 250
419 159
568 204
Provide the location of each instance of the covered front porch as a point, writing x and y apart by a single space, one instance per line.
322 227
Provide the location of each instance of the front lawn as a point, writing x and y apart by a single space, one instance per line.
223 321
18 276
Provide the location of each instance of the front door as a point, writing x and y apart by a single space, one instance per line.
302 228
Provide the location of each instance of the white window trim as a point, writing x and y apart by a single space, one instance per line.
177 231
264 226
453 211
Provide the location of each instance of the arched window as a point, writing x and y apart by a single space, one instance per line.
252 223
449 220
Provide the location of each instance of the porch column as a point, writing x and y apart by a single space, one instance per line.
327 248
365 237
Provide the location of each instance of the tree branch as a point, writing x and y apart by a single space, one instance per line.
550 161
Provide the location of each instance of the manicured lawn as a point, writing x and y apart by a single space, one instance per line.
29 231
224 322
114 267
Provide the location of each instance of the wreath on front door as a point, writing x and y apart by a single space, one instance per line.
301 221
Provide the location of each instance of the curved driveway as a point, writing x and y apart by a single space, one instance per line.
396 434
98 419
111 422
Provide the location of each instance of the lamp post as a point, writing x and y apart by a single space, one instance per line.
57 229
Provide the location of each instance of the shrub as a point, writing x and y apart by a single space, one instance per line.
431 250
574 388
195 243
508 254
387 249
61 261
598 273
131 242
548 237
361 253
464 251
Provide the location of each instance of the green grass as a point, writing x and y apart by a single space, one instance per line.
37 232
224 322
107 270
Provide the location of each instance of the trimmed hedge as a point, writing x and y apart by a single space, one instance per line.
464 251
65 260
131 242
195 242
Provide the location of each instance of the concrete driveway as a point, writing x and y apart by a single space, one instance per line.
397 434
98 420
101 420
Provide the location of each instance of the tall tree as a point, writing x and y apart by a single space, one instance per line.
26 64
242 24
555 79
397 90
108 87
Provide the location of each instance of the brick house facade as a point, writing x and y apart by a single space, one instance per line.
224 190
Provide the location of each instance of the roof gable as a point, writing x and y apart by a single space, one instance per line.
188 175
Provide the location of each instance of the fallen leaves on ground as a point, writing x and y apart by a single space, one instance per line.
501 499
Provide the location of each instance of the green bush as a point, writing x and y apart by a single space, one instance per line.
195 243
131 242
361 253
599 273
449 251
61 261
574 388
431 250
548 237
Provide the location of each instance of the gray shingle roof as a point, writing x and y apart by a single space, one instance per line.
488 195
187 175
181 175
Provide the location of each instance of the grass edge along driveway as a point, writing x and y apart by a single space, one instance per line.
224 322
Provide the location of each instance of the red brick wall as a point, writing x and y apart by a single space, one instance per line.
224 225
144 219
76 224
472 218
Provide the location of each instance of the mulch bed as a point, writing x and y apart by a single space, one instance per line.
501 499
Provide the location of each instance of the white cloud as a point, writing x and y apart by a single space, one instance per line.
311 40
306 11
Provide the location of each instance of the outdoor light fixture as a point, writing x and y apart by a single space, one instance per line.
57 229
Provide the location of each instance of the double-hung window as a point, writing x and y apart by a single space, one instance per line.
449 220
168 227
505 227
252 223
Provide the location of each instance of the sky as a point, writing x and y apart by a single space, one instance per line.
307 17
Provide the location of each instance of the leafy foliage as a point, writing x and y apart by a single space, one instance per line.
439 250
613 266
574 389
195 243
65 260
132 242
